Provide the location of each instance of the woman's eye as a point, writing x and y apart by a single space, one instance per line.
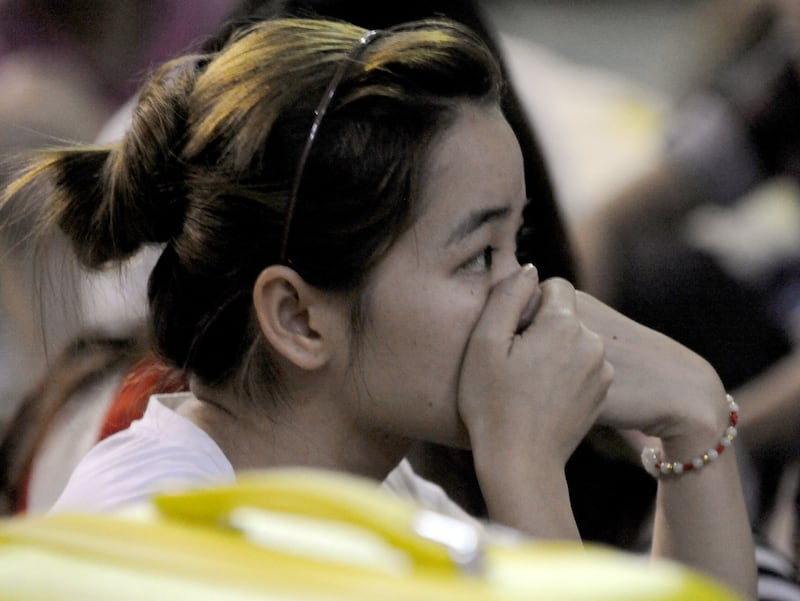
480 262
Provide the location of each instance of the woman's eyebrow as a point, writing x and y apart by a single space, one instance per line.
474 221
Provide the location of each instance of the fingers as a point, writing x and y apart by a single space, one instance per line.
510 301
543 387
555 304
517 301
558 296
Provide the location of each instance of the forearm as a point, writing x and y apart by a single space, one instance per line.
666 391
702 522
528 494
533 499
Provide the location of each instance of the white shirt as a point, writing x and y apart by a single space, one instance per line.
165 451
160 451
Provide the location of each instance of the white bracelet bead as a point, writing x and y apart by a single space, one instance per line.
657 467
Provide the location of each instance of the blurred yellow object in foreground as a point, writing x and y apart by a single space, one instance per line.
305 534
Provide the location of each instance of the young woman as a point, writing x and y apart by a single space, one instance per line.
339 212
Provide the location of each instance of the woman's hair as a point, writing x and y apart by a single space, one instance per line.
545 240
208 163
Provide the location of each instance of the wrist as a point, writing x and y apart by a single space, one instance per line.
694 440
693 411
687 453
533 499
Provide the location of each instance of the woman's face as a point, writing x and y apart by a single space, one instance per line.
425 296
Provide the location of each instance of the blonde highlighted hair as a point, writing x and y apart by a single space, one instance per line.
207 164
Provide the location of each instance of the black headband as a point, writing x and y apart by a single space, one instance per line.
319 114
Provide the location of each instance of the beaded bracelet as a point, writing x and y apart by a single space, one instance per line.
658 468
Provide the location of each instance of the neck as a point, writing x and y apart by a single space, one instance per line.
310 432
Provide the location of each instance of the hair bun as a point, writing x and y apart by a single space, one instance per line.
146 174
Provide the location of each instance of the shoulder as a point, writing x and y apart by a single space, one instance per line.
162 451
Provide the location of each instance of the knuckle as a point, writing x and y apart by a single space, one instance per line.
593 340
607 374
565 326
558 297
559 282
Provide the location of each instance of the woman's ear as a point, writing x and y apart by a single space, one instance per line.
293 316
